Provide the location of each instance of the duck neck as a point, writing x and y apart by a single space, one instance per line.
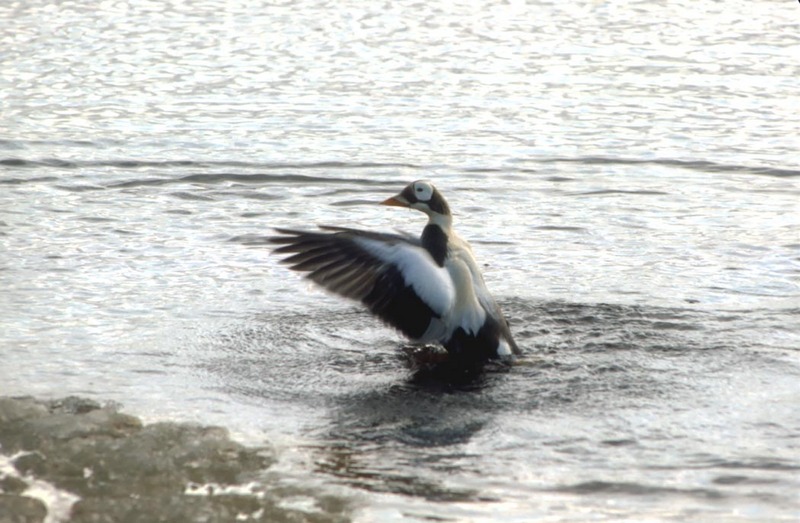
444 221
435 237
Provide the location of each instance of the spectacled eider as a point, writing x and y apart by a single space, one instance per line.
430 288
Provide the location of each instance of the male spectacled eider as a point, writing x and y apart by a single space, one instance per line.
430 288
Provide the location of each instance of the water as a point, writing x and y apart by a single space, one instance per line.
627 173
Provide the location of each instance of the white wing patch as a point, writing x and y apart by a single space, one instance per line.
431 282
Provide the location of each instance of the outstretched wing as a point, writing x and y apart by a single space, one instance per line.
391 274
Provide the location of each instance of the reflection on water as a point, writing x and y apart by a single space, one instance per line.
624 171
431 83
611 389
661 365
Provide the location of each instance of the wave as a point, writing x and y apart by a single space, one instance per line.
212 172
135 164
694 165
169 166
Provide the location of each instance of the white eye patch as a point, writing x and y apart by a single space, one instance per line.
423 191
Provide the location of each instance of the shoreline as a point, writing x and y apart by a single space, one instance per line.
73 459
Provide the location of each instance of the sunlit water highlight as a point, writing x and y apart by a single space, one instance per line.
626 172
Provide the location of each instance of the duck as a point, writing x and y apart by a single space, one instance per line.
429 288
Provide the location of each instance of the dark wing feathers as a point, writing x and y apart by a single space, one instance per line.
334 260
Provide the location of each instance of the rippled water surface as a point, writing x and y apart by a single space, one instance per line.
626 171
